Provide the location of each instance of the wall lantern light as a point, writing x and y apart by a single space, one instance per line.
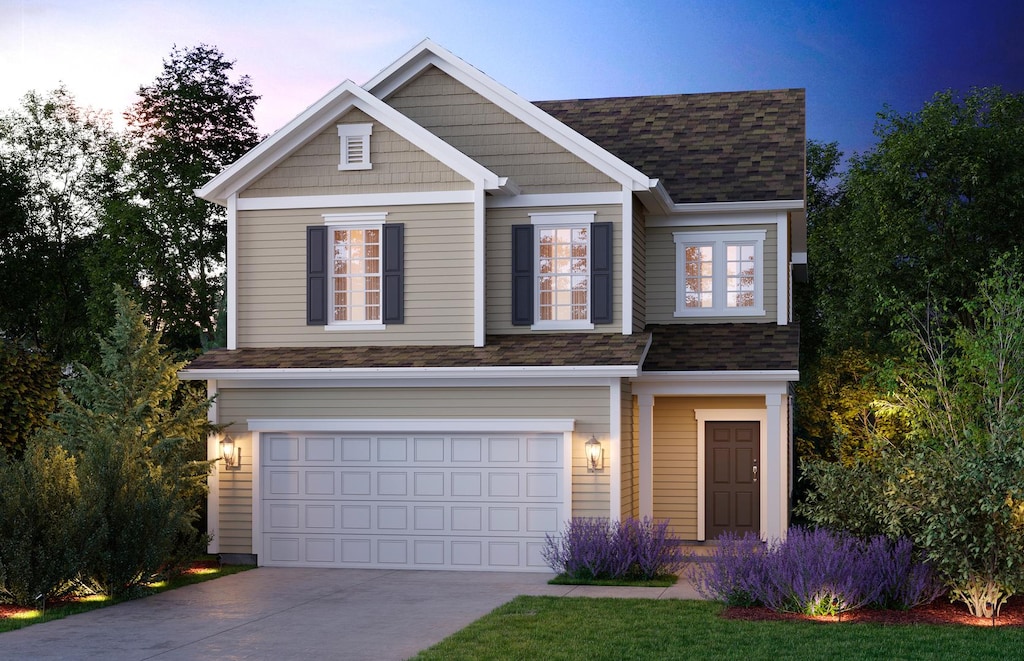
231 453
595 455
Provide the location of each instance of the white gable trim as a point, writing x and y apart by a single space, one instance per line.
428 53
319 117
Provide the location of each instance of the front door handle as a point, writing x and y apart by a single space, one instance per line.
755 471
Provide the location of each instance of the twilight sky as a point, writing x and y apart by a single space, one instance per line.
853 56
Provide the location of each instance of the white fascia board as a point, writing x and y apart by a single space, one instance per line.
555 200
468 382
355 200
427 53
783 376
728 207
739 382
412 425
411 373
318 117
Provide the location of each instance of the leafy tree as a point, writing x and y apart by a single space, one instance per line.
28 394
187 126
922 214
56 165
135 434
42 533
957 489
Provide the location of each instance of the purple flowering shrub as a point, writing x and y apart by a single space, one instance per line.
815 572
597 548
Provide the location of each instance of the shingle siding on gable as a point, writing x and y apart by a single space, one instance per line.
398 166
494 137
438 279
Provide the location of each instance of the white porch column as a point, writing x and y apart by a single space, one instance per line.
776 468
646 434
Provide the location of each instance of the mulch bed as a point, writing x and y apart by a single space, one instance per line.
940 611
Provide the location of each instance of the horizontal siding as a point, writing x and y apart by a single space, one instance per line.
271 302
639 267
397 166
661 276
587 405
493 137
627 464
499 264
675 456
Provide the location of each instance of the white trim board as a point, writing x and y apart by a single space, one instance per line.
412 425
355 200
411 373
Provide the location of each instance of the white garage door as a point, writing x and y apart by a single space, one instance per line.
424 501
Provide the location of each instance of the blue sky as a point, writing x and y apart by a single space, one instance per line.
852 56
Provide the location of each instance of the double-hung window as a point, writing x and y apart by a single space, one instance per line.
719 273
355 272
562 272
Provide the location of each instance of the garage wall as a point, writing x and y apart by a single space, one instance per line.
587 405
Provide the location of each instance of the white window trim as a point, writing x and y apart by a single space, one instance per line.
346 131
719 241
567 220
372 220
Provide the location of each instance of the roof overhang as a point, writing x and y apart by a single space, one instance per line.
369 374
317 118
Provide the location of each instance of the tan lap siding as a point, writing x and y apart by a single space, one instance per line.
438 278
627 466
675 456
587 405
398 166
493 137
499 264
661 276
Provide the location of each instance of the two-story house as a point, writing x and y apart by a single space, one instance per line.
457 318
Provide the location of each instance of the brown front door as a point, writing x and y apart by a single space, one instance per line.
731 479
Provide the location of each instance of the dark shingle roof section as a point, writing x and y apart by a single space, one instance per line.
718 147
537 350
720 347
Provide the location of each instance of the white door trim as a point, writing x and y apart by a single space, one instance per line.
731 415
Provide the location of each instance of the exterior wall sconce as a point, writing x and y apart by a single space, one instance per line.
231 453
595 455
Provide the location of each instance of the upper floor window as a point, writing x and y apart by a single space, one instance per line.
719 273
355 146
562 272
355 272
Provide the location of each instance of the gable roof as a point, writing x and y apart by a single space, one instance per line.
717 147
318 117
428 53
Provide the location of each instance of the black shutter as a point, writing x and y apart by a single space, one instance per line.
601 273
522 275
393 273
316 275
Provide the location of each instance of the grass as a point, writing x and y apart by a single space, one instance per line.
660 581
582 628
25 617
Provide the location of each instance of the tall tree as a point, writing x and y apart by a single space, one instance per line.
58 162
187 126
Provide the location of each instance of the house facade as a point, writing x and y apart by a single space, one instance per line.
457 319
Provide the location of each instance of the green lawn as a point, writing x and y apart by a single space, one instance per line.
25 617
583 628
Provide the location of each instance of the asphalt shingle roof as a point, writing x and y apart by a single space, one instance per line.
717 347
716 147
537 350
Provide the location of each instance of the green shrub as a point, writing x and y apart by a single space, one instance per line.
41 528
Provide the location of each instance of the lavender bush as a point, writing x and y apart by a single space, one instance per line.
597 548
815 572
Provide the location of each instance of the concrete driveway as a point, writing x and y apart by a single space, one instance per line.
274 613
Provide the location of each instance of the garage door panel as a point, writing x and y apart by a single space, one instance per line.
463 501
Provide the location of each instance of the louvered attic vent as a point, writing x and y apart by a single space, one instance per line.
355 146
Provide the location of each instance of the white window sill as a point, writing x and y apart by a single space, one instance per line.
562 325
354 327
726 312
355 166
